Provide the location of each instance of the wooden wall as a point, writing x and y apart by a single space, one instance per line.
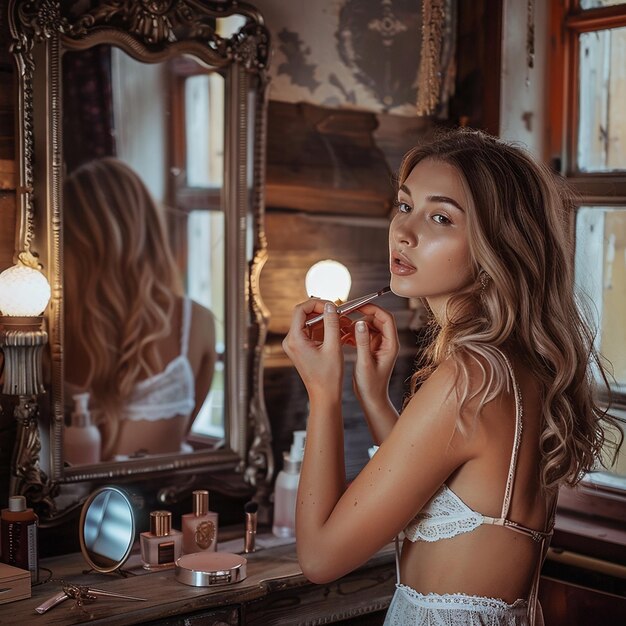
330 189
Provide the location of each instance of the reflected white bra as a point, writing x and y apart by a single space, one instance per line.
169 393
164 395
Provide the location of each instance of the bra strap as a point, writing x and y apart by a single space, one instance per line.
533 600
185 326
508 492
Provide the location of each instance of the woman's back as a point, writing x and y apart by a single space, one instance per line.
160 409
478 562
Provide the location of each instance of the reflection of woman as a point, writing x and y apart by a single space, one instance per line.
145 353
501 414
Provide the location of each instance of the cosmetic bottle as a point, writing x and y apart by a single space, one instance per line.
18 529
81 439
162 545
286 488
199 527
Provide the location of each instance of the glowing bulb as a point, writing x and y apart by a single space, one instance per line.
24 291
328 280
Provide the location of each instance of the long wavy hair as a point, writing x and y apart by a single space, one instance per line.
121 283
522 301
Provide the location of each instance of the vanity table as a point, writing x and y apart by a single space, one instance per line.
274 592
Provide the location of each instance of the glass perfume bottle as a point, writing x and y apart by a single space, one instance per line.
200 527
18 530
162 545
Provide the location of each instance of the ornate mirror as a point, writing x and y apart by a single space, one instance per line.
140 153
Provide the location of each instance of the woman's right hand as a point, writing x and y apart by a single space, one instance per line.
316 353
377 348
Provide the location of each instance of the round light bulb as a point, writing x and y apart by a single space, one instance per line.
24 292
328 280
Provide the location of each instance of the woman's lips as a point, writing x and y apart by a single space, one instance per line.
400 266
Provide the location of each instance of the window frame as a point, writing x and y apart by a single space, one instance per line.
606 506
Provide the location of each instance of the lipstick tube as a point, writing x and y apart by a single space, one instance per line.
250 510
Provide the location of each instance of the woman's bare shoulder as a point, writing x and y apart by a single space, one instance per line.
448 402
435 405
202 331
201 314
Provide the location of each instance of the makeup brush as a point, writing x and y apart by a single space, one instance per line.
250 510
350 306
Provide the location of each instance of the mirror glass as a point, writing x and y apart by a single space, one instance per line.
140 148
107 529
144 239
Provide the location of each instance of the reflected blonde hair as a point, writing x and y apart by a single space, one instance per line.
121 283
519 230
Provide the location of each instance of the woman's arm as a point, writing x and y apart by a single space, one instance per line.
338 529
202 351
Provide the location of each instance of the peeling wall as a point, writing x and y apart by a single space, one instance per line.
524 90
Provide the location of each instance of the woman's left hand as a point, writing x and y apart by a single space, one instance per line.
317 356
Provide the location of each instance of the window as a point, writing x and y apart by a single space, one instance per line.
588 144
197 219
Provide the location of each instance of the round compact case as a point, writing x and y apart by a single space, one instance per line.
207 569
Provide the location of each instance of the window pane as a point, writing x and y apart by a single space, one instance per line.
594 4
602 91
601 279
600 265
204 130
205 276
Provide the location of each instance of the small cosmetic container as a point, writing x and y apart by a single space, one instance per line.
200 527
162 545
18 531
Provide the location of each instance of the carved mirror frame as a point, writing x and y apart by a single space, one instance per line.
39 30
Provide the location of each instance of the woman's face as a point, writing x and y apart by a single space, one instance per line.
429 254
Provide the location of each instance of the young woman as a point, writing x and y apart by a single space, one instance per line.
500 414
144 352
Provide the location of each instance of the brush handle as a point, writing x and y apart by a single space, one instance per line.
51 602
349 307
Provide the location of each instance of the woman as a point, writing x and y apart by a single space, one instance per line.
500 415
144 352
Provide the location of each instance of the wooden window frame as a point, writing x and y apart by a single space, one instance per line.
590 519
568 21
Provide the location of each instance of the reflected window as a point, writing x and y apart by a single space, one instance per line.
204 130
197 137
205 276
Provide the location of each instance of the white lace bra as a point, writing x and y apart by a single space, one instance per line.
445 515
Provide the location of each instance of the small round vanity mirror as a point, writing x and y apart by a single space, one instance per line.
107 529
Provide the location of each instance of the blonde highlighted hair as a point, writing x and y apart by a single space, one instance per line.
121 283
522 301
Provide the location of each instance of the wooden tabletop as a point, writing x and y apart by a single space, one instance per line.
269 569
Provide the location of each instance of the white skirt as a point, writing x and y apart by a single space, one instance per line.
410 608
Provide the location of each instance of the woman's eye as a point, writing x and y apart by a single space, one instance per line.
403 207
441 219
